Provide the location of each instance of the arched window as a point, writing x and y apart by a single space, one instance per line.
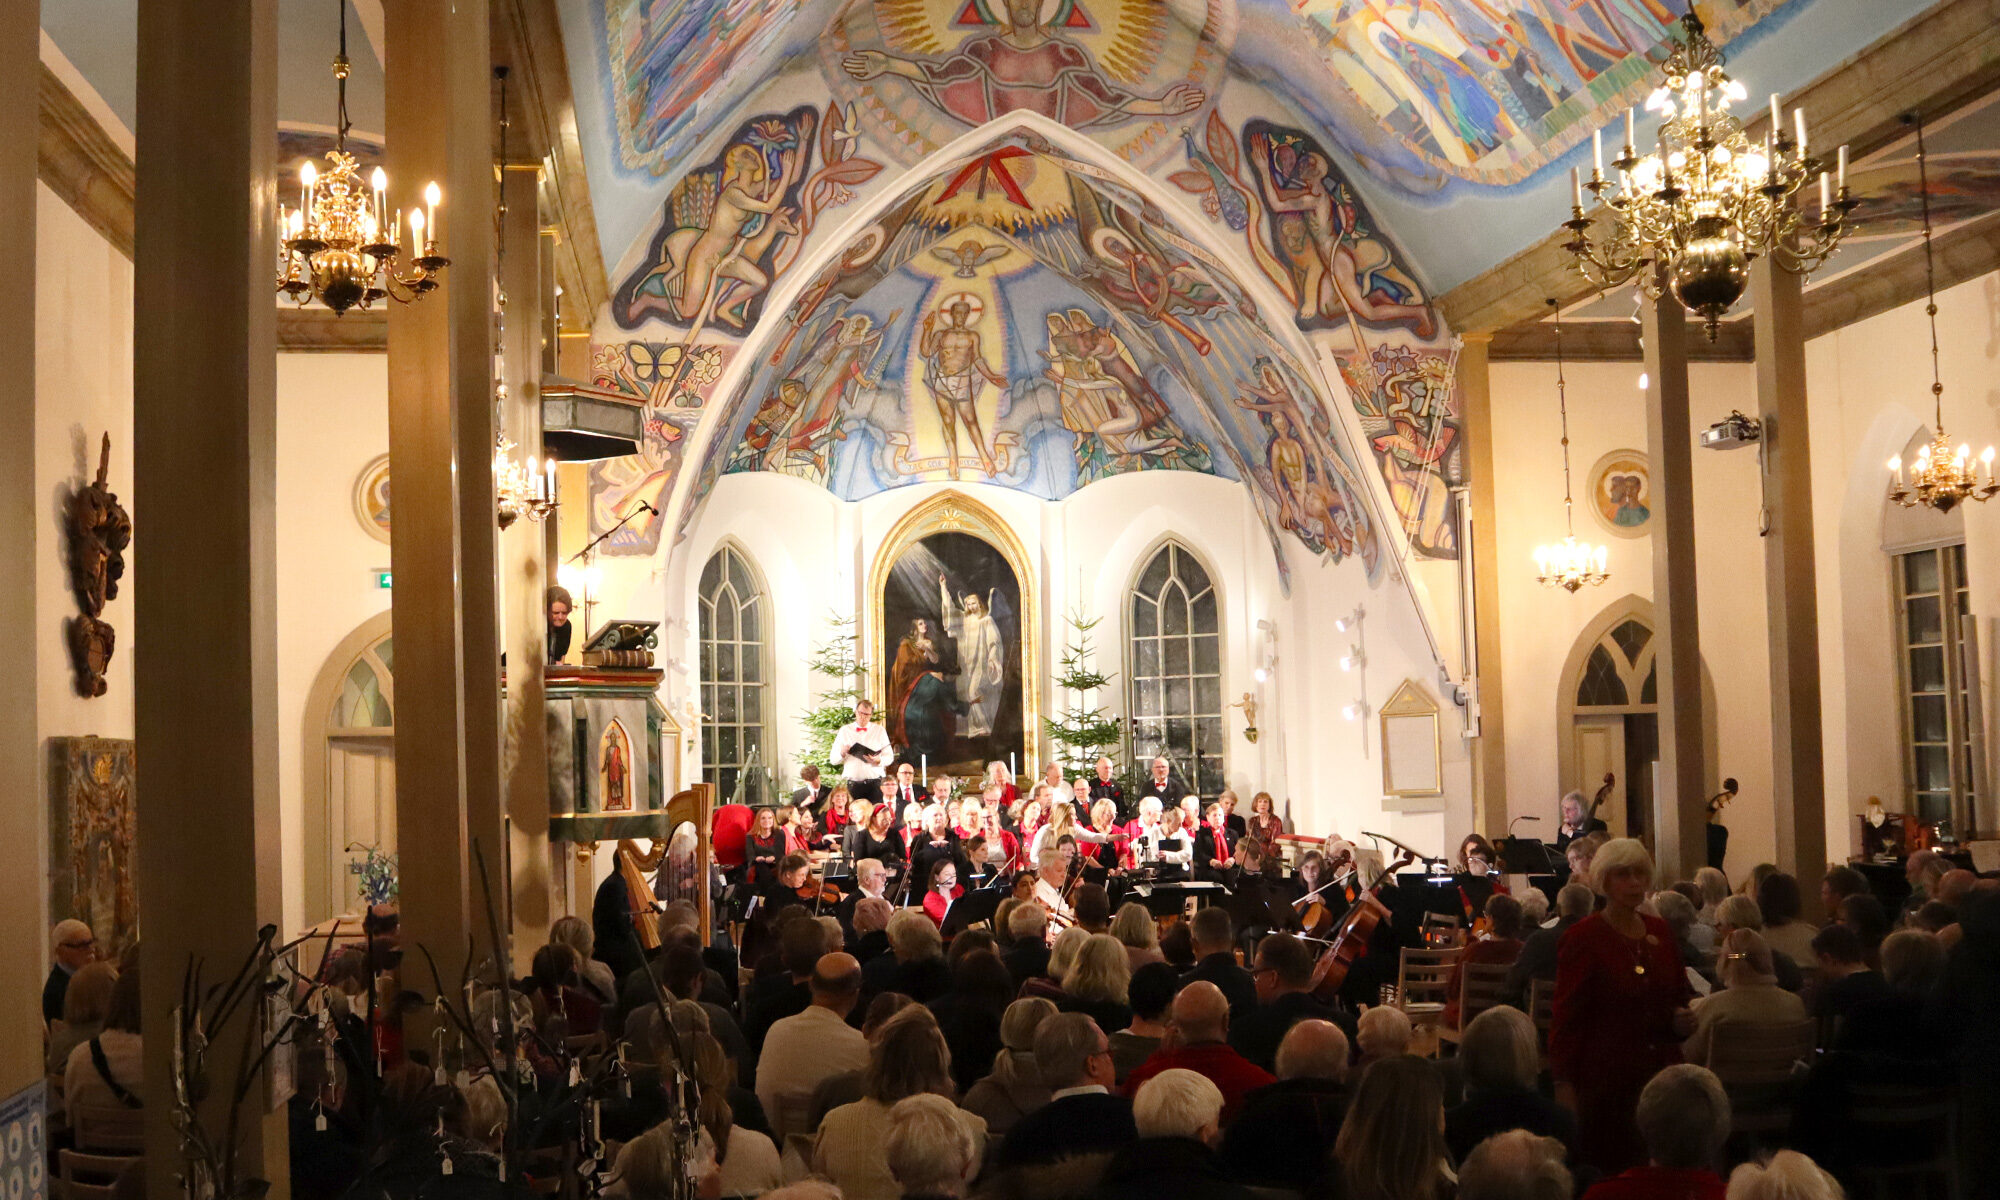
733 671
1173 668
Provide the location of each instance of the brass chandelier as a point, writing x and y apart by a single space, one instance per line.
1708 200
1939 478
341 245
1569 564
519 489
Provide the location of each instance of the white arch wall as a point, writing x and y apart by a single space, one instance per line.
815 552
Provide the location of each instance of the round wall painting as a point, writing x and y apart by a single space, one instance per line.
371 498
1620 494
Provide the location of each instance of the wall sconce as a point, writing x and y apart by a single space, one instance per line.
1249 706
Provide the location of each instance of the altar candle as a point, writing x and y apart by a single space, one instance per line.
1701 104
550 474
1013 767
1799 129
431 197
1575 188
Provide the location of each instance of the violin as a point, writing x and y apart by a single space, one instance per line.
1355 929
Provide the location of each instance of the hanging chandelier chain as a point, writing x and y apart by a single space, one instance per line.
1562 405
1930 271
341 67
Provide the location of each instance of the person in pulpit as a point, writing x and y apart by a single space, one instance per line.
559 630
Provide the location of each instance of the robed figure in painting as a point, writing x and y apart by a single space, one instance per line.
982 660
922 703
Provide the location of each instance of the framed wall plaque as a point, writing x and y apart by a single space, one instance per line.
1412 761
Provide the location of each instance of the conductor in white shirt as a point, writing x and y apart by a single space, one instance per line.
863 752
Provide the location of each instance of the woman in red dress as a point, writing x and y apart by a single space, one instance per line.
942 891
1621 995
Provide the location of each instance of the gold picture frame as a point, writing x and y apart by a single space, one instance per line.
1412 756
955 512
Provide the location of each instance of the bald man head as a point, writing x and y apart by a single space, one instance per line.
1313 1049
836 981
1201 1013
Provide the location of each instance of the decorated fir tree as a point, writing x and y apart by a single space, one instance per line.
1082 731
838 661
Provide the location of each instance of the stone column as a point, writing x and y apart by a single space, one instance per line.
1797 772
1489 749
204 478
524 566
1679 793
24 939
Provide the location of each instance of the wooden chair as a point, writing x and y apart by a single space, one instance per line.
103 1129
1542 1007
92 1176
1423 984
1480 986
552 1171
1759 1064
1922 1124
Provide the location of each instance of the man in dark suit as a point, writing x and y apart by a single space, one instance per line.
1104 787
1214 937
1283 980
903 793
1287 1129
1230 817
813 795
1082 1115
1161 785
775 997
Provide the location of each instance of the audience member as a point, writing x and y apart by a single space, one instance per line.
1499 948
746 1160
1694 940
1200 1044
1619 984
1135 929
1741 912
1537 959
1391 1144
72 946
1092 905
909 1058
1082 1116
871 928
915 964
802 1050
86 1002
1283 979
1865 915
595 973
1846 983
1014 1087
1062 956
1028 957
1097 983
1179 1116
1500 1059
1714 888
1785 929
1789 1175
970 1013
1750 994
1683 1118
1382 1032
1516 1165
1150 995
1837 885
774 997
849 1086
1285 1134
931 1153
1214 937
109 1070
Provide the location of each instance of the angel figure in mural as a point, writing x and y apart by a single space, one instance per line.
1024 66
954 364
1319 511
723 223
1098 389
835 368
982 659
1313 218
1421 437
1133 271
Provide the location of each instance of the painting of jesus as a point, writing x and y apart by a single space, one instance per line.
951 631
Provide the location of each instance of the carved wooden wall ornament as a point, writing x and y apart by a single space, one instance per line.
99 531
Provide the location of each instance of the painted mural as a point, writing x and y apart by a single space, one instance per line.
925 71
1310 234
1474 90
675 378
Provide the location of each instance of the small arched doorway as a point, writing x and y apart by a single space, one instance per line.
349 763
1609 721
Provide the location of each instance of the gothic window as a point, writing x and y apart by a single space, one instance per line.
1937 687
1173 669
734 647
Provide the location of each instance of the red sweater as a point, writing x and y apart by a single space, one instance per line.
1235 1075
1659 1183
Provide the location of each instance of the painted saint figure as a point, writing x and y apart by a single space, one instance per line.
954 362
723 226
837 366
1024 66
922 702
982 660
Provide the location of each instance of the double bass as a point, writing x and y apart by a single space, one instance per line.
1353 932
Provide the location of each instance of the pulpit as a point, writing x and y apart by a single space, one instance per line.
613 751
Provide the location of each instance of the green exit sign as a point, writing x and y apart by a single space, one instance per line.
382 580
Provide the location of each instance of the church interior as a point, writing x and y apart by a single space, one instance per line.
1430 443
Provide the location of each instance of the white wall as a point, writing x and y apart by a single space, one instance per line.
1869 387
333 419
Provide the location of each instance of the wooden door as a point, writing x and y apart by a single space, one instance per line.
361 812
1600 748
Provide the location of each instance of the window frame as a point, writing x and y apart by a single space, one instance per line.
1952 595
724 777
1187 761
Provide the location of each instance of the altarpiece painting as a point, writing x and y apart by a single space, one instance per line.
91 812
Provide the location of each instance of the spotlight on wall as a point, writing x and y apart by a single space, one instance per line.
1261 675
1267 650
1351 621
1355 711
1353 658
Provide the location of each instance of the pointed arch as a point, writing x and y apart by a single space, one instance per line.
1174 665
733 665
348 701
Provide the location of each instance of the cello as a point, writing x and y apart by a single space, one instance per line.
1352 933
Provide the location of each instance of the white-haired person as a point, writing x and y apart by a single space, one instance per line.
1515 1165
1383 1031
1576 821
1174 853
1179 1117
1750 994
1096 983
1788 1176
930 1152
1285 1133
1683 1116
1500 1058
1000 775
1060 789
1620 990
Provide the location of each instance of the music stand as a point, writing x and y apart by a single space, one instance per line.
973 907
1526 856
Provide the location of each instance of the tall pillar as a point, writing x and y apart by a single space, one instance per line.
1489 748
431 841
23 831
1679 792
524 566
204 477
1797 772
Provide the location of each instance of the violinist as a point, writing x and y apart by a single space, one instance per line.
791 885
763 849
1052 881
943 890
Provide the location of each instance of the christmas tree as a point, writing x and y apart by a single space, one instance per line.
839 662
1082 731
